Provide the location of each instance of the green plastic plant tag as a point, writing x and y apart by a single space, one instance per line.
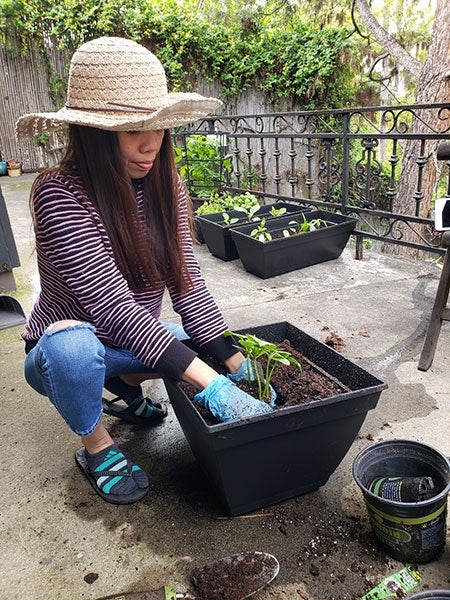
399 583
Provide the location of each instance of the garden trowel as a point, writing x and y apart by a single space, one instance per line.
234 577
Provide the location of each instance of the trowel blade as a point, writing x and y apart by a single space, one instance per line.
235 577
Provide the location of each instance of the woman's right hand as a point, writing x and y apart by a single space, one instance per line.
227 402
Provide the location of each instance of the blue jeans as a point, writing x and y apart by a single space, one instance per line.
70 367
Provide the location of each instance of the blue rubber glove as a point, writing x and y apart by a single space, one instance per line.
246 372
227 402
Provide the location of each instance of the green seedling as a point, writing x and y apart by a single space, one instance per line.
296 227
260 232
255 349
277 212
227 220
250 212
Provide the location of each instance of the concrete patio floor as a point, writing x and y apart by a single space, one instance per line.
61 541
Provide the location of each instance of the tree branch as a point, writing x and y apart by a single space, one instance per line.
390 44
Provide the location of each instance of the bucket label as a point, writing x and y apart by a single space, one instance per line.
396 585
392 533
403 489
410 539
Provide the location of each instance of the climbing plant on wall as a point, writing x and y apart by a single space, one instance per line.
300 60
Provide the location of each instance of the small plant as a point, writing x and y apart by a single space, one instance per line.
277 212
256 349
227 220
260 232
213 205
250 212
296 227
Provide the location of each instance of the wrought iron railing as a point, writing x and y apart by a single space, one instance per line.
379 164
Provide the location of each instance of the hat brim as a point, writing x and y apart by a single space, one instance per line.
178 109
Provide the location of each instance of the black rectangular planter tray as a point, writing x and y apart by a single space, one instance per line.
281 255
268 458
217 236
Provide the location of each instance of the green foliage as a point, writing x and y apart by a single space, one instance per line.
202 165
304 61
250 212
256 349
246 202
42 139
260 232
277 212
227 220
299 227
238 46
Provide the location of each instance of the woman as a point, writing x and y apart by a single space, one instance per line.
112 234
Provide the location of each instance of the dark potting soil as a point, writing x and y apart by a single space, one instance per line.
235 578
293 385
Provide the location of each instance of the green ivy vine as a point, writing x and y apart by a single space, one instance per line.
300 61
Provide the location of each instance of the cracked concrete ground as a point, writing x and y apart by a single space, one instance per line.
61 541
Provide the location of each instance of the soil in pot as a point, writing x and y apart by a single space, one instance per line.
293 386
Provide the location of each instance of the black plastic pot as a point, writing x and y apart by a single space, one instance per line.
265 459
407 531
217 235
284 254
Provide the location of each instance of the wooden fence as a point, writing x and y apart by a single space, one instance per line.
24 85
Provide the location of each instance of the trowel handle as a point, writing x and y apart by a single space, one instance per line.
167 592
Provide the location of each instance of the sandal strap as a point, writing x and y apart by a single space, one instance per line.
106 477
135 402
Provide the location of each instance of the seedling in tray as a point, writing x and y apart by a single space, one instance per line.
260 232
296 228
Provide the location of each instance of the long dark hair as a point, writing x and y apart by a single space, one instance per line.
149 251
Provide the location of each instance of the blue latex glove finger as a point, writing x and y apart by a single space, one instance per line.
227 402
247 372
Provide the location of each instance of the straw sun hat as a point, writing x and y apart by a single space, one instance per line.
118 85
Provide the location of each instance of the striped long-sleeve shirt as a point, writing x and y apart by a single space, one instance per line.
80 280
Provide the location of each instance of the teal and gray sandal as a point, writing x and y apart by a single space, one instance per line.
138 410
141 411
114 477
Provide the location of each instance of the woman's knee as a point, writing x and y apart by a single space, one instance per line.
67 356
71 345
64 324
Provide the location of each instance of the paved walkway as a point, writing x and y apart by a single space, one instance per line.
58 536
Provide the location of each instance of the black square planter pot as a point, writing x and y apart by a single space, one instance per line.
281 255
217 236
255 462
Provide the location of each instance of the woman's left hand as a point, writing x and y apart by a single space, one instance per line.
246 372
